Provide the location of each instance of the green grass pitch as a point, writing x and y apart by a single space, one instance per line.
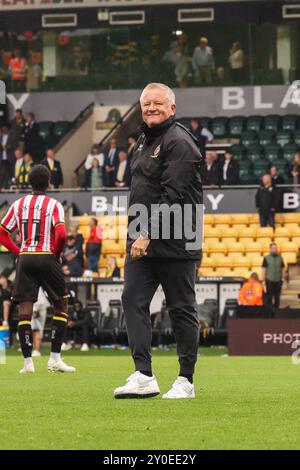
242 403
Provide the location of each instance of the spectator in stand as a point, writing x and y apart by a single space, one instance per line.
170 60
18 162
110 163
77 328
32 140
203 63
266 200
274 274
276 176
222 77
6 157
18 129
53 165
5 299
202 134
94 176
93 246
295 170
74 231
18 71
230 169
236 62
24 170
38 321
71 261
122 174
94 153
251 292
112 269
210 170
132 140
182 70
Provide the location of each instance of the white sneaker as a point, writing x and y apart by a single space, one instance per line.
4 323
59 366
28 369
66 347
181 388
138 386
36 353
84 347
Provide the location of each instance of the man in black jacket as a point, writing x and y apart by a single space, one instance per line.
266 201
32 140
53 165
230 169
166 187
78 327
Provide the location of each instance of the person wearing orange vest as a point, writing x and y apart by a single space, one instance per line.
18 71
251 292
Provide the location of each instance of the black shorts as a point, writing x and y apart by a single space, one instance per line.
38 270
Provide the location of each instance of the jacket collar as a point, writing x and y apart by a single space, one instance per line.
159 129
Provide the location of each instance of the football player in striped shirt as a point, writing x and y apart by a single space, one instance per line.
40 220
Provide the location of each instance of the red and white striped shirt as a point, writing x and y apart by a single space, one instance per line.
35 216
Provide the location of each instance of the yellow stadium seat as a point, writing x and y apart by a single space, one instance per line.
212 232
295 230
209 219
239 226
289 258
217 247
223 219
230 232
224 272
215 257
255 258
254 218
254 246
246 241
257 261
207 262
122 232
242 219
279 219
290 217
241 272
120 261
254 225
236 247
111 247
206 272
228 241
265 243
258 270
264 232
102 272
223 227
297 241
205 248
122 220
289 247
84 219
241 262
282 232
247 232
223 262
102 262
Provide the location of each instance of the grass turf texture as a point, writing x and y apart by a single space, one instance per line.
242 403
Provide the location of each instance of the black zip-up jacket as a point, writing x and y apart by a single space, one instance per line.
165 169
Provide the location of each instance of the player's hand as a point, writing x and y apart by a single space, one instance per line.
139 247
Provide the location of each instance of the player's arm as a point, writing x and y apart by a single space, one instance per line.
7 226
58 221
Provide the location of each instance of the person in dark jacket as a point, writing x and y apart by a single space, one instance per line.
210 171
78 327
53 165
17 129
110 162
266 202
277 178
71 260
165 177
230 172
202 134
32 140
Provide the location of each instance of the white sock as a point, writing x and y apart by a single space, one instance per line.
28 361
55 356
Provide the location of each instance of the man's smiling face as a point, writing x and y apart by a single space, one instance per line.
156 106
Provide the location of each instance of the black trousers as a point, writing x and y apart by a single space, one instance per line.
273 293
78 333
177 278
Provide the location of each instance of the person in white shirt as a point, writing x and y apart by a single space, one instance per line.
203 63
94 153
236 62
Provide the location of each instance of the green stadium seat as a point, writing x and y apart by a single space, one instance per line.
60 128
239 151
254 123
245 166
247 178
289 151
272 122
266 137
206 122
219 127
284 137
236 125
281 164
297 137
255 152
272 152
45 128
185 121
290 122
248 138
261 168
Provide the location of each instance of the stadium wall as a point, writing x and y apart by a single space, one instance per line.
210 101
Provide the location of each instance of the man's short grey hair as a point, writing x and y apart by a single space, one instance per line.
169 93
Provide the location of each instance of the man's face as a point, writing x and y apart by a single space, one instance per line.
273 249
228 156
122 156
50 154
267 180
156 107
77 307
194 125
113 143
273 171
18 154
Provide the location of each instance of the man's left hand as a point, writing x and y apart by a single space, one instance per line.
139 247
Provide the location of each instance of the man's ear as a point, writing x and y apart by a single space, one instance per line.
173 107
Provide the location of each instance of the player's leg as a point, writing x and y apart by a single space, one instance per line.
25 335
139 288
178 282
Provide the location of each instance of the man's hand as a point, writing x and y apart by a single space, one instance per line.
71 324
139 247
